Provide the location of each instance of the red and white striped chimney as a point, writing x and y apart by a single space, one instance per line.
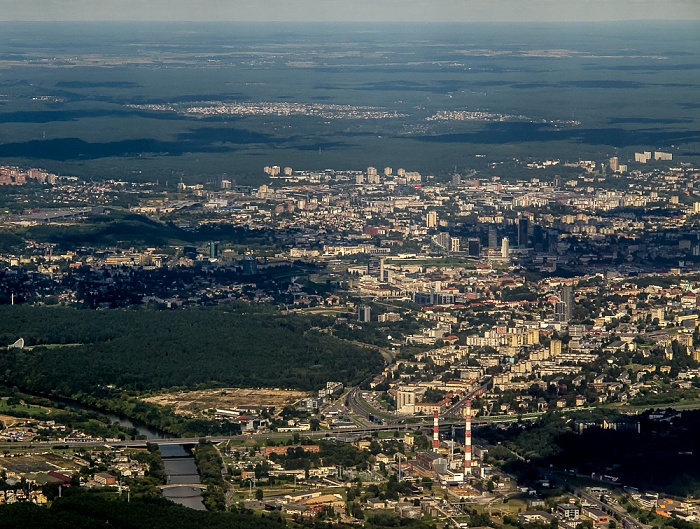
436 441
468 438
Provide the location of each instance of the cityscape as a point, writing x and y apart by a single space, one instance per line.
340 303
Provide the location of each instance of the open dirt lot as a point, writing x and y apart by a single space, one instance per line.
195 402
10 421
36 463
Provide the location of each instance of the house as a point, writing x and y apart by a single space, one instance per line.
334 501
599 517
535 502
568 511
363 444
535 516
282 450
383 458
301 511
62 478
376 503
103 478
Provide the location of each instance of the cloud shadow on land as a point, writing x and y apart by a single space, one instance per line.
516 132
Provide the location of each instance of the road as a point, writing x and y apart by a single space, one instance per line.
362 409
627 521
458 408
360 430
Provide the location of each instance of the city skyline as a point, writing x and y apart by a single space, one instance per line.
361 10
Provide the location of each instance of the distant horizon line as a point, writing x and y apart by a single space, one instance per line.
625 21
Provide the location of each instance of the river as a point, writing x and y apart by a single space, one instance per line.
140 428
178 461
180 468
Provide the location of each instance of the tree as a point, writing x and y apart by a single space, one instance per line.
259 494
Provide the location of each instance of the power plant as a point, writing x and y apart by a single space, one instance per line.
436 440
468 438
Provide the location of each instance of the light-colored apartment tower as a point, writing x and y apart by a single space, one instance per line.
431 219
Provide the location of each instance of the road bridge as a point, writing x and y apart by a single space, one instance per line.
200 486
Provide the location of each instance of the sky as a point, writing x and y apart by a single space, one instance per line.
350 10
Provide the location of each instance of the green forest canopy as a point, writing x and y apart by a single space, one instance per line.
143 349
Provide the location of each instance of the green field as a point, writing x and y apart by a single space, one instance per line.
24 409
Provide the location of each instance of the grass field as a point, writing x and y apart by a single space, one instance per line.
20 408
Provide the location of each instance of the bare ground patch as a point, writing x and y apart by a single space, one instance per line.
195 402
10 421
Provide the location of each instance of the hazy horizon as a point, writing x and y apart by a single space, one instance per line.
527 11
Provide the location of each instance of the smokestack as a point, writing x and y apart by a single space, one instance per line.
468 438
436 441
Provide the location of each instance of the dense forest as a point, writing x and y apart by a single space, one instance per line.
123 229
80 351
209 465
662 456
86 510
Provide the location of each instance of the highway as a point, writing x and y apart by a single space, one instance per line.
458 408
426 424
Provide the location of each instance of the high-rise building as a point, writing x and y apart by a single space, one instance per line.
493 238
474 247
567 297
523 227
455 244
443 240
552 241
213 250
364 314
505 248
560 311
663 156
554 348
374 267
539 238
373 179
388 171
249 265
431 219
614 164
